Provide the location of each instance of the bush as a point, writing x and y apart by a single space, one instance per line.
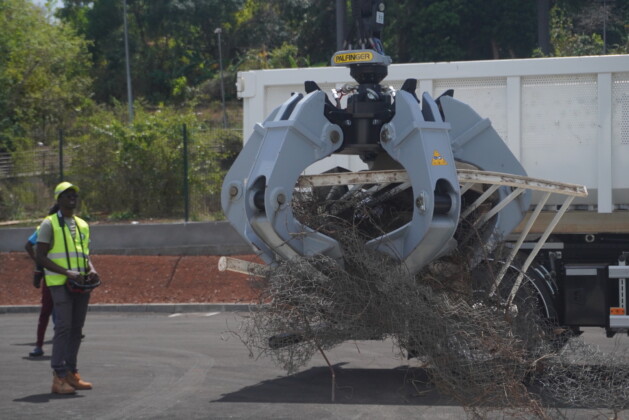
127 171
139 168
211 155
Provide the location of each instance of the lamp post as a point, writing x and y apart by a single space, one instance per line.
604 27
218 31
340 23
127 65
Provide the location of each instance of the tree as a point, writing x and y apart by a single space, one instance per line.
447 30
43 75
174 51
313 24
566 42
171 41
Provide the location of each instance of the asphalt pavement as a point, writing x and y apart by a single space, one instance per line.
190 364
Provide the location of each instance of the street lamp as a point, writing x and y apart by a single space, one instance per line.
218 31
127 65
604 27
340 23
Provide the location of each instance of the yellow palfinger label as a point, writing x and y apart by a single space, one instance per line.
353 57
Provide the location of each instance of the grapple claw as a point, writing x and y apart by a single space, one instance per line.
420 142
258 189
476 142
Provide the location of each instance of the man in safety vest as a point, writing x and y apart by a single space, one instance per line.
63 252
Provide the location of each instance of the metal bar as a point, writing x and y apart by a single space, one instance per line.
618 271
622 286
241 266
491 213
350 178
127 62
487 177
622 291
466 187
465 176
218 31
355 192
538 246
393 191
60 155
520 241
480 200
186 191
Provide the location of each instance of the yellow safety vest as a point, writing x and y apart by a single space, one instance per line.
68 252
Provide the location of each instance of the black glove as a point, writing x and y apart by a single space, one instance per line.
37 278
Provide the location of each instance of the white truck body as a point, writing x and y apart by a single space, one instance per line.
565 119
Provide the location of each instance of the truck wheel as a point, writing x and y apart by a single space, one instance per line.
533 314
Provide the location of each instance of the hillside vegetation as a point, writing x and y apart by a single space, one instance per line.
64 85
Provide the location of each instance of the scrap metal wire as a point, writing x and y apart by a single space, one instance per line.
583 376
475 348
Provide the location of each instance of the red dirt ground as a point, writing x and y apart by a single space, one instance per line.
137 279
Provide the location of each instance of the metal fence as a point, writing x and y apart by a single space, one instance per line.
43 160
27 178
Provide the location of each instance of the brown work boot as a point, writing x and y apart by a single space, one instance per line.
61 385
74 379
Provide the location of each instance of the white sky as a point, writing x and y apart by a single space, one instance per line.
43 2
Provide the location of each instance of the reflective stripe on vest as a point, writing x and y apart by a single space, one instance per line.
77 249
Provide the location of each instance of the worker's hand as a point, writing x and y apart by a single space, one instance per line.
74 275
93 277
37 278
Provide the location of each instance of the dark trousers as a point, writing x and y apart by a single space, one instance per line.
70 311
44 314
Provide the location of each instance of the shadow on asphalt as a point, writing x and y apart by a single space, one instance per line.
44 398
30 344
398 386
37 359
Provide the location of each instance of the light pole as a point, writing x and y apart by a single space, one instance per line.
604 27
128 66
218 31
340 23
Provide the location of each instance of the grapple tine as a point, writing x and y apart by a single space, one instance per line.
422 147
258 189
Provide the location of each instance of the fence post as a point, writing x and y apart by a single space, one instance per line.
60 155
186 195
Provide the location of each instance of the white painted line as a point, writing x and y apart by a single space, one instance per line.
193 314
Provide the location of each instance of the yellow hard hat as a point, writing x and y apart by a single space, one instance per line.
63 187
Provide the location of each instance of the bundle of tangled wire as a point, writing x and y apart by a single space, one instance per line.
476 349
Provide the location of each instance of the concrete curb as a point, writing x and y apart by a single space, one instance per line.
149 307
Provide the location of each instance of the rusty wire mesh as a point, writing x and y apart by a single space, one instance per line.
476 350
580 375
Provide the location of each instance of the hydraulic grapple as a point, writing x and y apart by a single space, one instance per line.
394 133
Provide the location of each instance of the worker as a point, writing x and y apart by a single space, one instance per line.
46 299
63 251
